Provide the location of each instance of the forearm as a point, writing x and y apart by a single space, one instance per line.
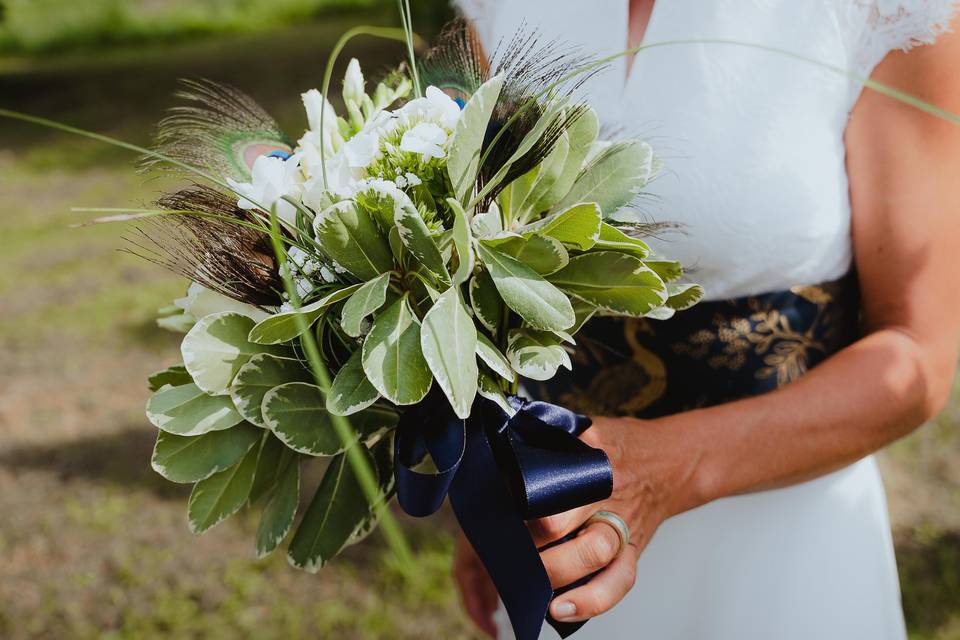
859 400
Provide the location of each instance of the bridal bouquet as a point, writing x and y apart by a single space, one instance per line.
442 237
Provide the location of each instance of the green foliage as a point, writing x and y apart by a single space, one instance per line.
188 411
464 159
258 376
278 515
283 327
351 390
222 494
367 300
448 339
392 356
195 458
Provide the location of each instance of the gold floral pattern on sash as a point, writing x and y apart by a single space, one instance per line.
715 352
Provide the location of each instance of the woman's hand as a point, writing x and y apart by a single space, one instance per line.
653 479
477 592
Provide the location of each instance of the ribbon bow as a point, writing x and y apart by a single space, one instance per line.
499 470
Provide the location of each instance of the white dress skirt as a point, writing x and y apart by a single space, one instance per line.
752 144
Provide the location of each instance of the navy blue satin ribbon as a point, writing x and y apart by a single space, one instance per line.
500 470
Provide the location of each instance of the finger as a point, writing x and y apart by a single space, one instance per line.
550 529
475 594
602 592
593 549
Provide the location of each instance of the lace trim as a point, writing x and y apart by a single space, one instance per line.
888 25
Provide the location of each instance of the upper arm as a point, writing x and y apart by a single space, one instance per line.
904 169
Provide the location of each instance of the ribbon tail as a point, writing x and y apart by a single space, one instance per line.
494 526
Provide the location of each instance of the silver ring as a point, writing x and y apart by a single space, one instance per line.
616 522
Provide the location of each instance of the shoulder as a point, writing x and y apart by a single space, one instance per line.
877 27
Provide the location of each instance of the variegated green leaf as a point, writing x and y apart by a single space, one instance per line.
614 177
188 411
365 301
259 375
448 339
463 159
218 497
614 282
392 356
277 518
538 302
536 354
194 458
350 236
283 327
351 391
417 239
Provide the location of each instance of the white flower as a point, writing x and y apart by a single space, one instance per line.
271 180
361 149
353 83
435 106
413 179
426 138
315 103
200 302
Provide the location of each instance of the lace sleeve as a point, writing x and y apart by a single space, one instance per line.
887 25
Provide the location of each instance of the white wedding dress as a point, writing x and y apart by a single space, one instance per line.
754 155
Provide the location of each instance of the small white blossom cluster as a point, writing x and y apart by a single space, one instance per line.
339 157
422 127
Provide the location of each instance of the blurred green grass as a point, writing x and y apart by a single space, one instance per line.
93 544
49 26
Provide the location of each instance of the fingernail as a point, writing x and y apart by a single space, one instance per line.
564 609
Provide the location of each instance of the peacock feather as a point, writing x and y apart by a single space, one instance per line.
220 130
206 240
458 65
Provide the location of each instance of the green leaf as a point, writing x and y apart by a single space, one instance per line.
463 159
283 327
273 458
668 270
614 178
277 518
337 510
683 296
580 135
538 302
195 458
382 453
215 349
392 357
461 240
367 299
417 239
492 357
174 376
547 174
485 300
536 354
351 237
577 226
351 391
221 495
262 373
613 239
488 388
614 282
448 339
543 254
188 411
297 413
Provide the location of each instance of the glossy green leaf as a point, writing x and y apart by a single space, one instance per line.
417 239
543 254
580 135
283 327
613 239
297 413
188 411
538 302
392 356
547 174
351 237
215 349
614 177
173 376
382 453
577 226
614 282
337 510
195 458
668 270
280 511
259 375
488 388
365 301
683 296
492 357
351 391
536 354
484 300
218 497
461 240
448 339
463 159
273 458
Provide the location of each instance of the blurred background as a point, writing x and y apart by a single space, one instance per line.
93 544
